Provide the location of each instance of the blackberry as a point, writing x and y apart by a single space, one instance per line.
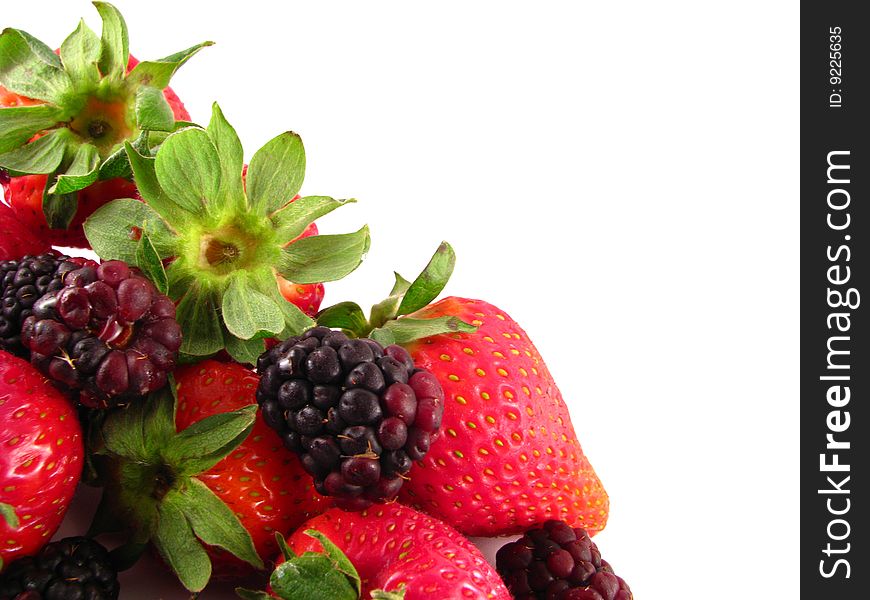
107 332
358 414
556 562
72 568
22 283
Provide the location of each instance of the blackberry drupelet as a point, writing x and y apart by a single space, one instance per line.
73 568
358 414
22 283
107 332
556 562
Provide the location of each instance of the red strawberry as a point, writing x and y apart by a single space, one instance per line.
509 458
99 101
16 240
262 482
393 546
40 461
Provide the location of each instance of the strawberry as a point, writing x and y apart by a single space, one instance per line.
223 232
41 460
65 116
207 485
393 552
263 483
16 240
508 457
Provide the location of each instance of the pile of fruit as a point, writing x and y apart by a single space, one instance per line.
191 374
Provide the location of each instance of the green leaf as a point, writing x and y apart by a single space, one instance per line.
382 336
232 160
292 220
8 514
311 576
148 260
197 313
247 312
153 111
81 173
341 561
112 231
324 257
114 43
252 594
400 286
178 545
80 53
123 432
189 170
145 172
295 320
215 524
387 309
208 435
59 209
286 551
406 329
158 419
344 315
40 156
30 68
276 173
157 73
245 351
193 466
398 594
430 282
20 123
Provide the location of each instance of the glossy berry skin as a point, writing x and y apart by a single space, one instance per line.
261 481
390 545
558 562
41 457
16 239
24 194
74 567
508 457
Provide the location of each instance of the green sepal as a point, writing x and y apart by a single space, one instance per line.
215 524
80 53
112 231
345 315
188 170
246 594
178 545
286 552
197 313
340 560
398 594
295 321
138 429
406 329
244 351
153 112
232 161
59 209
39 157
18 124
388 308
324 257
145 173
81 173
248 313
210 435
31 69
311 576
430 282
8 514
114 42
275 173
148 261
118 163
157 73
292 220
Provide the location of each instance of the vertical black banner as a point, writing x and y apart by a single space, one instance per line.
835 229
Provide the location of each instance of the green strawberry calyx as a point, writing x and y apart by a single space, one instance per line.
328 574
153 495
89 105
214 238
391 321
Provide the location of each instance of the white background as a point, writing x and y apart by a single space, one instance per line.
621 178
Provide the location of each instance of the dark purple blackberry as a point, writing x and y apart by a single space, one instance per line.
556 562
73 568
22 283
107 332
358 414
